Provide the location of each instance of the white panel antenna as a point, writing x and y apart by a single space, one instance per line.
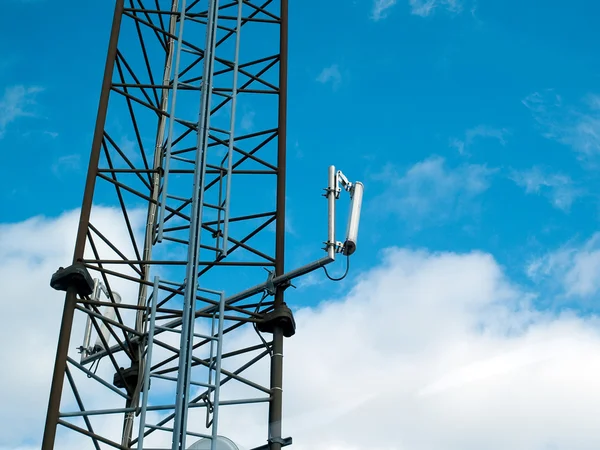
109 313
356 189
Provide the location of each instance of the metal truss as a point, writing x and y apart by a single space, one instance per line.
184 207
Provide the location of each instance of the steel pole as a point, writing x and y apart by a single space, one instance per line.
275 406
60 363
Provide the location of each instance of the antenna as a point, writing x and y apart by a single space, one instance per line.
109 314
356 195
332 246
356 189
222 443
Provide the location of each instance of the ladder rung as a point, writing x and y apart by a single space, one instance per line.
209 205
167 329
170 283
187 85
214 167
195 383
187 123
179 158
156 427
203 336
175 197
219 130
206 385
193 52
222 94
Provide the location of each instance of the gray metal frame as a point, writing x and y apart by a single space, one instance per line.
182 169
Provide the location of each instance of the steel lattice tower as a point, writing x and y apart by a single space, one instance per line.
188 161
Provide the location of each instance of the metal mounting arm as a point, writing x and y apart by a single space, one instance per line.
340 179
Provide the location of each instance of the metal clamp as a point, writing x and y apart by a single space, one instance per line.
283 441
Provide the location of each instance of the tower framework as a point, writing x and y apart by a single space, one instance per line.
184 204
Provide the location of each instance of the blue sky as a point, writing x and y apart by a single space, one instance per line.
475 127
472 126
466 120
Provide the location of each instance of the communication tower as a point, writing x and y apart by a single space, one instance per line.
162 340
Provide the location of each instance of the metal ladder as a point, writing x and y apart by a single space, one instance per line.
225 168
212 394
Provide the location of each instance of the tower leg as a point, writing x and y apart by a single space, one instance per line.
275 410
275 407
58 375
52 416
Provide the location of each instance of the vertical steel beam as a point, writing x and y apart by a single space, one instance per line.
275 406
192 268
60 364
148 364
217 394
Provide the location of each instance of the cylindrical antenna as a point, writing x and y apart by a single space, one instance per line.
353 218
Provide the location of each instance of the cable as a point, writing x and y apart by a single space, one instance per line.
96 363
269 349
345 273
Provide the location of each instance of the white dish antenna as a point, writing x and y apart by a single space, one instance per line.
222 443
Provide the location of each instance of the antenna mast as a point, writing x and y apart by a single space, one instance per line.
190 137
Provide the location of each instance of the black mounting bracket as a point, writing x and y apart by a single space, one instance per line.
130 376
282 317
76 276
283 441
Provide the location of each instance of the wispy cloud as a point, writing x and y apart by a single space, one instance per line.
331 75
480 131
17 101
312 279
247 123
424 8
381 9
298 150
430 190
129 147
557 187
574 267
575 126
67 163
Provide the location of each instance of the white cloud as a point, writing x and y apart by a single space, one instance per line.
312 279
424 8
66 163
574 267
423 341
30 252
247 123
488 132
557 187
331 75
381 9
577 127
129 148
431 190
458 145
17 101
439 342
480 131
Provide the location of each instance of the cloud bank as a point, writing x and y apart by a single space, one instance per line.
427 351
